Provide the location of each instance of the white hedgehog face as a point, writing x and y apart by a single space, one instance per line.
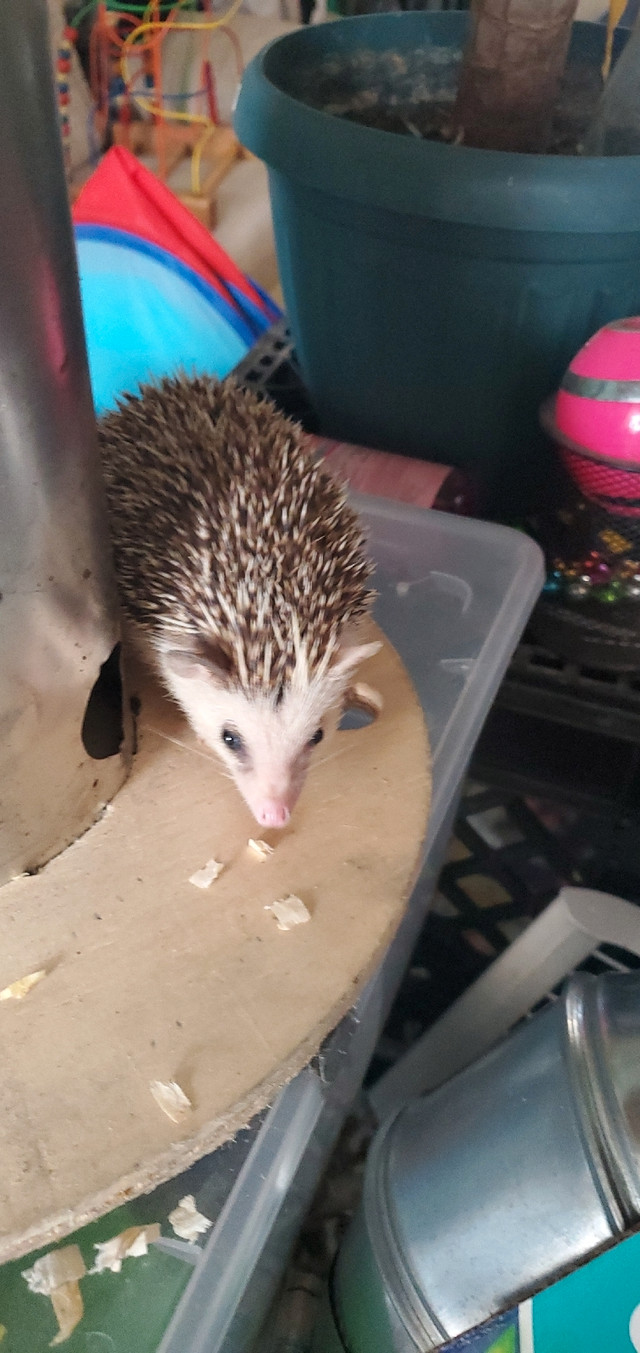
267 744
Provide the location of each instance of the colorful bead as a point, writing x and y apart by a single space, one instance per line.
63 67
578 590
607 594
632 592
614 541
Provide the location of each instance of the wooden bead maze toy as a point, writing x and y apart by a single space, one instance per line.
165 127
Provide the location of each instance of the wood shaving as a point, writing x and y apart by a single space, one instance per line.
289 912
186 1221
259 849
55 1269
171 1099
3 1331
69 1310
56 1275
129 1244
18 990
203 878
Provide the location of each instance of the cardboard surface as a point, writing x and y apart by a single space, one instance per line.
150 978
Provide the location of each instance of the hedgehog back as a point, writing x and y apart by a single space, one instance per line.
225 529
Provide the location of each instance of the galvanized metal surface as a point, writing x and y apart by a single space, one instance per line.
58 614
512 1173
603 1027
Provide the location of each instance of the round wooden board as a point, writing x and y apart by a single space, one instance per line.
150 978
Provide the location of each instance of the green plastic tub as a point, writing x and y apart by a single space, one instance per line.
435 292
124 1312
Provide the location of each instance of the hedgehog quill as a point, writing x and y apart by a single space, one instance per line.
242 572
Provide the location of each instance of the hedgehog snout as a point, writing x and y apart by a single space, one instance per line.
271 797
273 813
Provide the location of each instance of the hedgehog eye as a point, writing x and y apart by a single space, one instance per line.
232 740
317 737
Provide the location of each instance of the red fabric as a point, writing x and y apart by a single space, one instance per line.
123 194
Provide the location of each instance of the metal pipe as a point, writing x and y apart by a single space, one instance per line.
58 610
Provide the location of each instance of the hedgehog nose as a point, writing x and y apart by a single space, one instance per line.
273 813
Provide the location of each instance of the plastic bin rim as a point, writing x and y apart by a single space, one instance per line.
498 190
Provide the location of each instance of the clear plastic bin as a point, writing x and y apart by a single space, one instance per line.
454 596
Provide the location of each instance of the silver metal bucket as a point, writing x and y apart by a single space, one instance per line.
495 1184
59 761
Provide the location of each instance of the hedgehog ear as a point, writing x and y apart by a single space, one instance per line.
207 658
350 656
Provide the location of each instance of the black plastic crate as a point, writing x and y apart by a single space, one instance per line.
593 698
271 369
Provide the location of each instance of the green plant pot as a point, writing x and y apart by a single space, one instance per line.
436 293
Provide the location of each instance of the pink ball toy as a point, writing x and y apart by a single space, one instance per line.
595 417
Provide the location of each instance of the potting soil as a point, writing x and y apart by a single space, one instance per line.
413 93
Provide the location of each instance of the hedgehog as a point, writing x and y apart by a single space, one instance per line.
242 573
